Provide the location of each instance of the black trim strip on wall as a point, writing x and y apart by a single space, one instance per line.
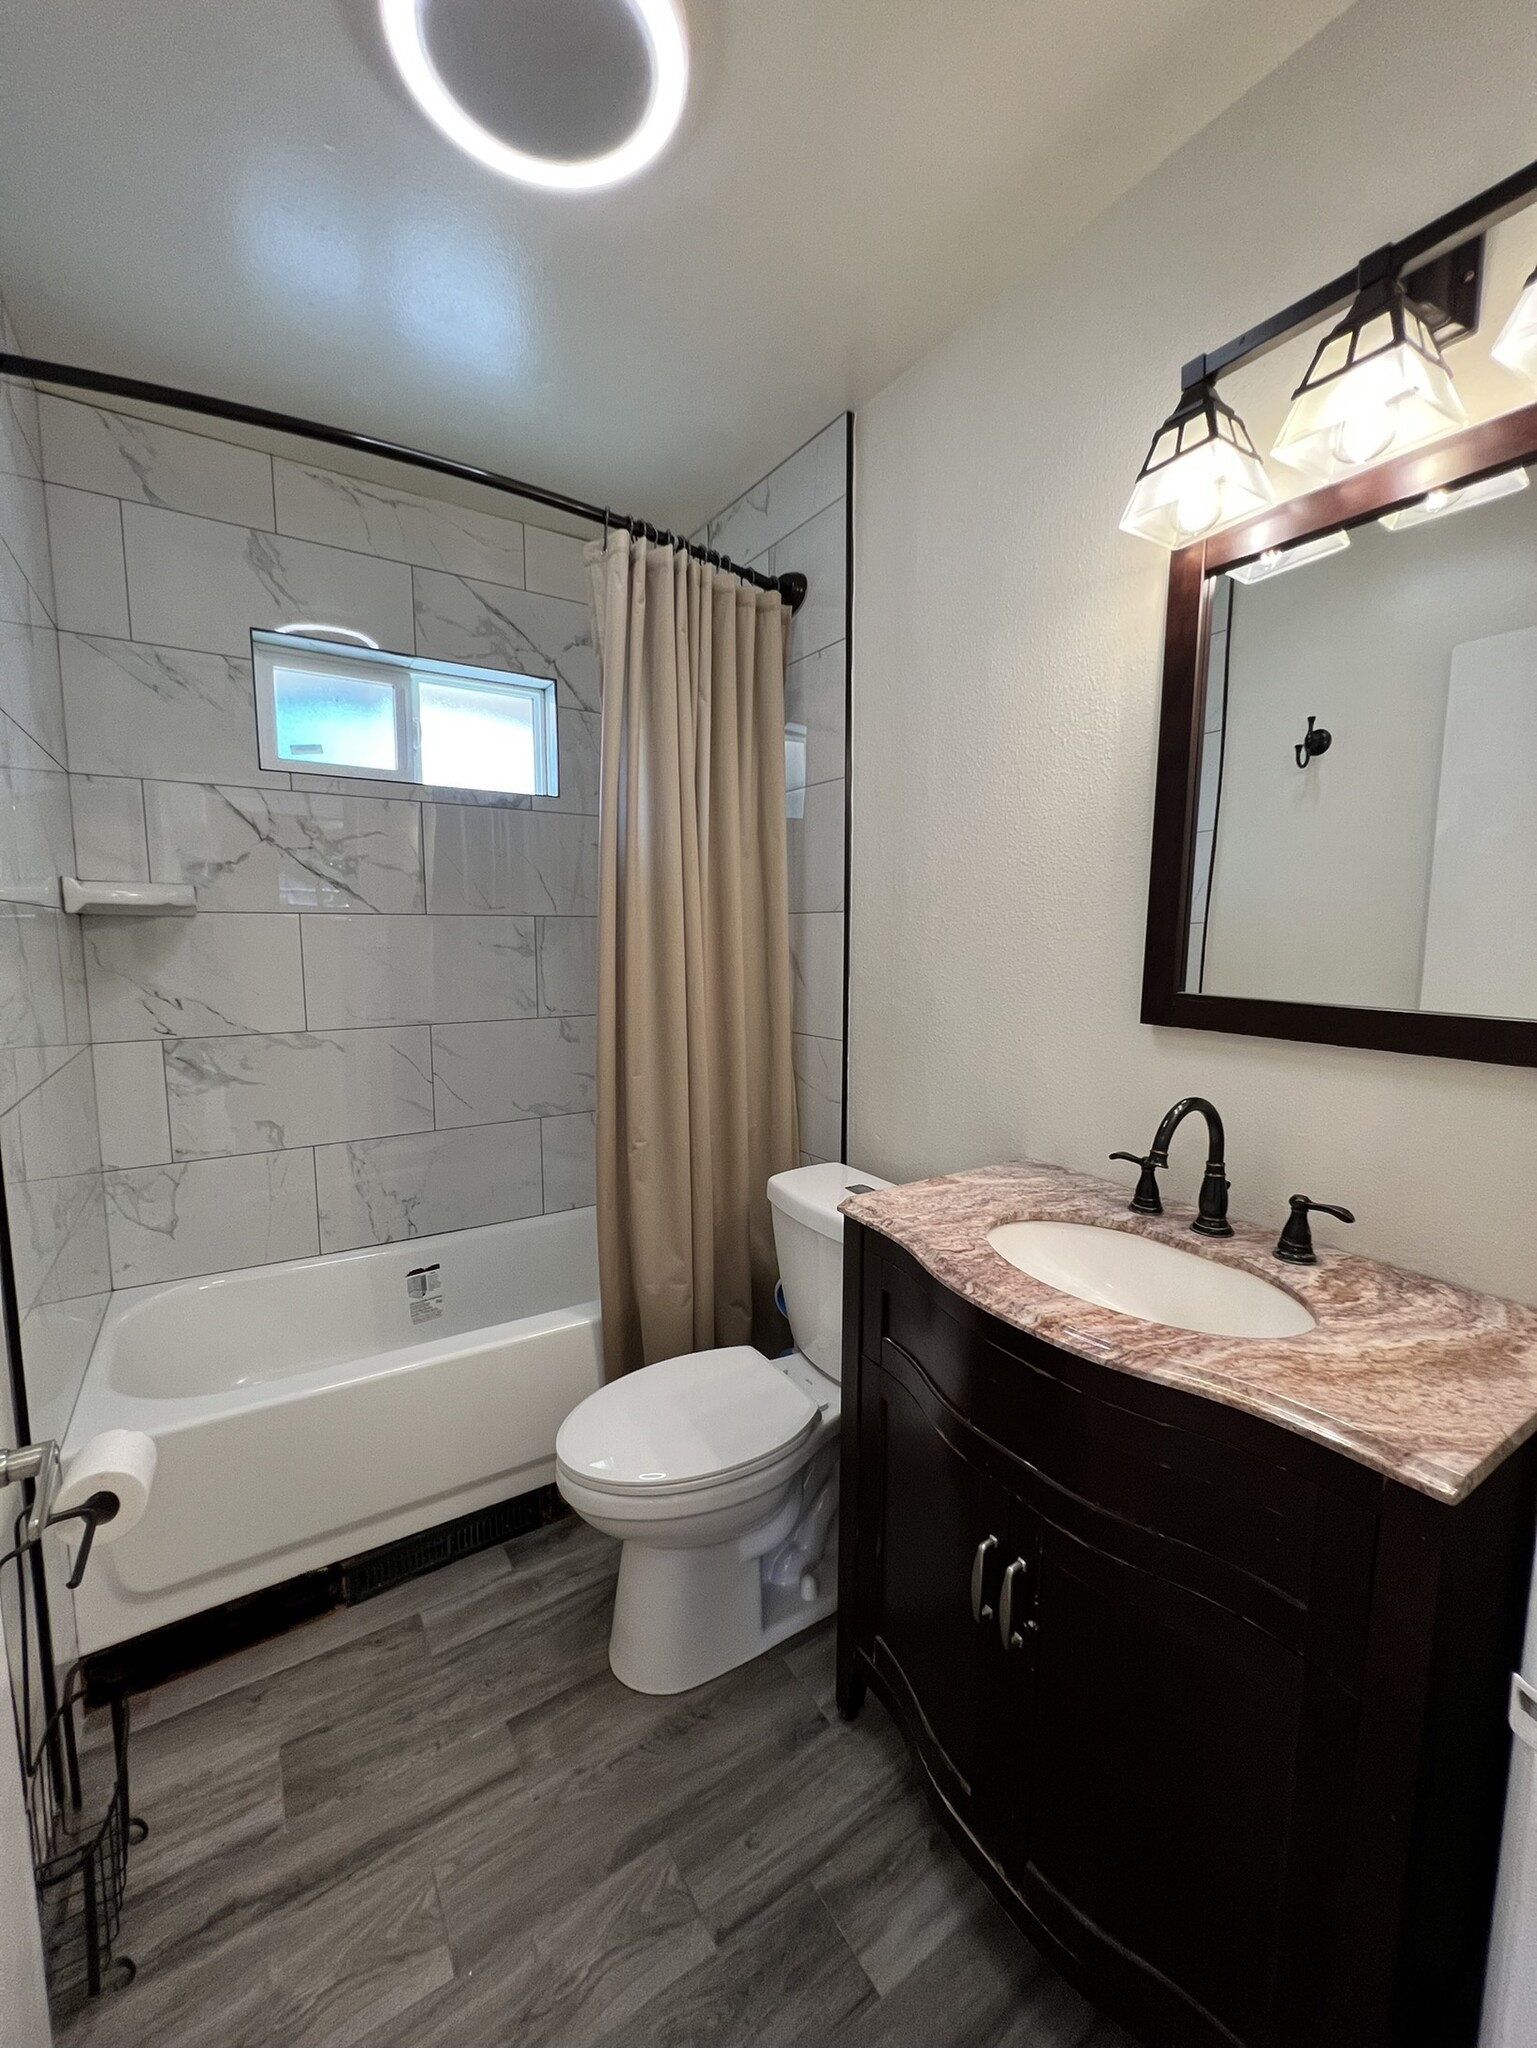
848 758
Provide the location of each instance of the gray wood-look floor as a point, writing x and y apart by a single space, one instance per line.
437 1821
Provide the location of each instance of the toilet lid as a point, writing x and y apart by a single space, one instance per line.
685 1421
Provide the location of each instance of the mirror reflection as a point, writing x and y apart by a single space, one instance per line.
1366 829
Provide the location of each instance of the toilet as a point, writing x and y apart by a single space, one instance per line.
718 1471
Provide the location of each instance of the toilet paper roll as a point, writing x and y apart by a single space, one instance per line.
120 1461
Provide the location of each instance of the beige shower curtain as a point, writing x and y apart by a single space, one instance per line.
696 1089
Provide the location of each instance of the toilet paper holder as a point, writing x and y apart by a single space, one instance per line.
40 1463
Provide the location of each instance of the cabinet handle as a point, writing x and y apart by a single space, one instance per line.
980 1612
1012 1639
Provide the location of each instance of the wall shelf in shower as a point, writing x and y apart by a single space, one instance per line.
129 899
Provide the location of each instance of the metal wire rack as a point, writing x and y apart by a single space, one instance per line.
78 1814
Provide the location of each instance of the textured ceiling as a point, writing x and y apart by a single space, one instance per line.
241 199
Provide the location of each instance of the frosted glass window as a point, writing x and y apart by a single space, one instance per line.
330 721
324 708
475 736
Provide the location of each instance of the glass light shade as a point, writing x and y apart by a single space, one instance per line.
1279 561
1516 348
1376 385
1202 472
1441 504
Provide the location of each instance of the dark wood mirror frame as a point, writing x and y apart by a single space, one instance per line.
1459 459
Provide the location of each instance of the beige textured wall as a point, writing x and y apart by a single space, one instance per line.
1007 647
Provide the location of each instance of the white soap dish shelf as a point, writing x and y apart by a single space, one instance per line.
129 899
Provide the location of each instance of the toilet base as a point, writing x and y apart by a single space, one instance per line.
683 1617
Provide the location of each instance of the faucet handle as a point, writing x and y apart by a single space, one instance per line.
1146 1200
1295 1244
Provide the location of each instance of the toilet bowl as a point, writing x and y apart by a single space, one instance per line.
718 1471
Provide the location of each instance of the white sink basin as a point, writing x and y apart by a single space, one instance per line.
1153 1282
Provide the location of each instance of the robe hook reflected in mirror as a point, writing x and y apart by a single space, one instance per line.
1316 740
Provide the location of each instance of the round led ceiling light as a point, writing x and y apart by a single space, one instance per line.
571 95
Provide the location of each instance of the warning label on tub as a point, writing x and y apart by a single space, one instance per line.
424 1293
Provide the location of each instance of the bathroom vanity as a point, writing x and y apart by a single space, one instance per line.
1203 1643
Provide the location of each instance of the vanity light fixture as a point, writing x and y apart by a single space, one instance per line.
585 93
1202 470
1377 384
1277 561
1441 504
1516 348
305 630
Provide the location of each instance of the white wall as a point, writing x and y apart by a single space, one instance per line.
1007 651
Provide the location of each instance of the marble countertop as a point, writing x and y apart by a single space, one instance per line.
1426 1382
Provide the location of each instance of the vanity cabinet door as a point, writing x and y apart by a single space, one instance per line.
938 1559
1150 1830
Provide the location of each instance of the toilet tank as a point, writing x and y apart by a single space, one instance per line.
808 1236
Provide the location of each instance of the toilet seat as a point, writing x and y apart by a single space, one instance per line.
686 1425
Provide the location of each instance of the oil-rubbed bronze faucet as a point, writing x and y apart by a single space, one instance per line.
1211 1219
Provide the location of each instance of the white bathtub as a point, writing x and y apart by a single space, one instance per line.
302 1414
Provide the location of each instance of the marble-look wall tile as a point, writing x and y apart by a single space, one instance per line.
535 862
211 1216
271 1094
58 1239
203 584
96 449
819 1095
815 695
21 445
131 1103
160 712
37 840
383 1190
493 1073
815 846
265 849
24 530
816 969
77 1008
51 1132
569 1162
492 627
173 977
418 970
31 695
109 828
819 549
552 563
579 734
34 1006
804 484
86 535
25 1067
57 1338
19 602
384 519
568 966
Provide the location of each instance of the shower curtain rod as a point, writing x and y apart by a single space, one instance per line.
791 586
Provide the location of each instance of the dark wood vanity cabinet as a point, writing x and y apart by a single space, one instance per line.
1218 1713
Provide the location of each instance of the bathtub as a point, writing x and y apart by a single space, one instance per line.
305 1412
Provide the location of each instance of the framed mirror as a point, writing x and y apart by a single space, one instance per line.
1345 822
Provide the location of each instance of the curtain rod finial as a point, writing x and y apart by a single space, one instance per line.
792 588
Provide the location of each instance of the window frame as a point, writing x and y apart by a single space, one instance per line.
403 673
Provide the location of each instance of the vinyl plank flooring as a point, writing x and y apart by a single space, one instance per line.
575 1976
897 1888
784 1980
438 1821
